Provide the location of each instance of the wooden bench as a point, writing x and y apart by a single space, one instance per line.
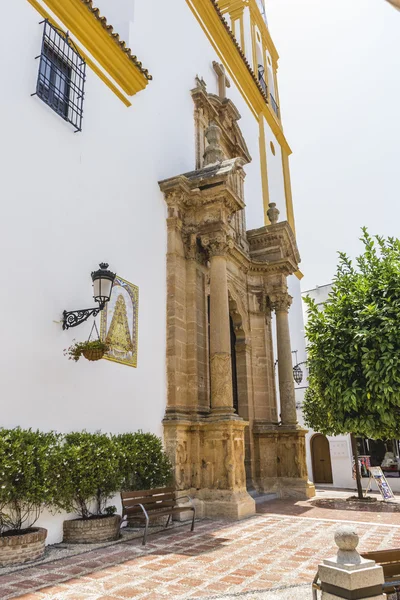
148 504
389 560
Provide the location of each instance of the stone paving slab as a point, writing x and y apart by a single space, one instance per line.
260 555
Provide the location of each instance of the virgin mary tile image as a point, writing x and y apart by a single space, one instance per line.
118 326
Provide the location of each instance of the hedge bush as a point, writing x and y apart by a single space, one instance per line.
77 472
143 462
91 473
30 466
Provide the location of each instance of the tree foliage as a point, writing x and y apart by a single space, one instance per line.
354 346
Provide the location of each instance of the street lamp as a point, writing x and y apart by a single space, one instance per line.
103 281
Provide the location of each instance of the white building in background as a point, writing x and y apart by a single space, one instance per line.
330 459
87 134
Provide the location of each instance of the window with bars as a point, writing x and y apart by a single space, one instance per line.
61 77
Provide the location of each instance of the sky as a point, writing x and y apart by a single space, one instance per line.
339 87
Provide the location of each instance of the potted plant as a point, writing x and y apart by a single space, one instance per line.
91 350
91 476
28 461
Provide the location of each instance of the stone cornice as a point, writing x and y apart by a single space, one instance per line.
275 246
91 29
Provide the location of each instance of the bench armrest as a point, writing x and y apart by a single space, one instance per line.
316 586
143 509
185 496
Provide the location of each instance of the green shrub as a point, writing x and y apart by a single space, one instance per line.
143 463
77 472
91 473
29 461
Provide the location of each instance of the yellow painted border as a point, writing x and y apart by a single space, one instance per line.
43 12
89 31
264 169
288 191
81 22
221 41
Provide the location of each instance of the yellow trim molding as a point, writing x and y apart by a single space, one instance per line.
97 37
264 169
288 191
43 12
240 71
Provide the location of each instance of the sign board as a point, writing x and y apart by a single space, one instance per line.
376 474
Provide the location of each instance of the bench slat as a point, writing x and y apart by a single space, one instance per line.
158 513
143 499
147 501
144 493
383 556
130 510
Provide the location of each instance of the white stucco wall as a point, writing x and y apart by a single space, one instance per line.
72 200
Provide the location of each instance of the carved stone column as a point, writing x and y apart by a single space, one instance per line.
280 303
220 342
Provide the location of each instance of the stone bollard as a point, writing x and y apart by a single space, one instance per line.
348 575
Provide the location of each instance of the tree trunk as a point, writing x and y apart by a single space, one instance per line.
357 465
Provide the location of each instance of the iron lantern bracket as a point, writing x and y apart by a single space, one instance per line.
73 318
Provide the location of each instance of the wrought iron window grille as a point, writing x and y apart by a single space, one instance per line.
261 79
275 107
61 76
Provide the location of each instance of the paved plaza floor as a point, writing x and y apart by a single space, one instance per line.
271 556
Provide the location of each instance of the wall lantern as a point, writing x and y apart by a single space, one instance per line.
103 281
297 370
297 374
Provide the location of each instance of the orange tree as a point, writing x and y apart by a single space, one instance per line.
354 348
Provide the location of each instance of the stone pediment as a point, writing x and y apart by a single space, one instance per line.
216 182
224 113
274 246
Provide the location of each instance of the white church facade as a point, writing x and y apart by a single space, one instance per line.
97 134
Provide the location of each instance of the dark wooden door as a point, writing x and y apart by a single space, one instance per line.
321 459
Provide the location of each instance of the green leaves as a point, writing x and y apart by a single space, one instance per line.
354 346
143 462
78 472
29 462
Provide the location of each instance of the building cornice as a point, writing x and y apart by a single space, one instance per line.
220 35
91 30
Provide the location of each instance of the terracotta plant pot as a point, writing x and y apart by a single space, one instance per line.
92 531
93 353
21 547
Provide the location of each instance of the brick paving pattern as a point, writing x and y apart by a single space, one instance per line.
268 551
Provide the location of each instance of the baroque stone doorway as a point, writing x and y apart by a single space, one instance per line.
221 426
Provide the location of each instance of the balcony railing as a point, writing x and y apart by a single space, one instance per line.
262 80
274 105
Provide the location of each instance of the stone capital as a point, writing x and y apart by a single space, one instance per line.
190 246
217 244
280 302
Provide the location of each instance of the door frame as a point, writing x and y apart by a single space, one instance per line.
312 441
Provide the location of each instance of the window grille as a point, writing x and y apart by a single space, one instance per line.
261 79
61 77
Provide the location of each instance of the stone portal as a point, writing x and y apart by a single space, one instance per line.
221 425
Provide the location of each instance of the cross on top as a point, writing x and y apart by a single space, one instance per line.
223 81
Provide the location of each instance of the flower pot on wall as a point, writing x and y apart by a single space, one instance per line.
93 530
17 547
93 353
